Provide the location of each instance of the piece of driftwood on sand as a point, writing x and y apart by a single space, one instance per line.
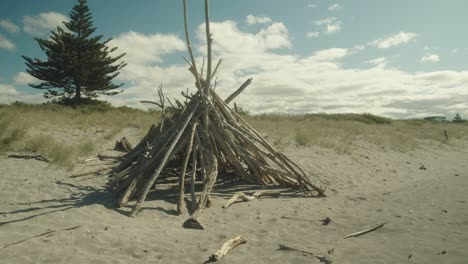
221 142
226 247
360 233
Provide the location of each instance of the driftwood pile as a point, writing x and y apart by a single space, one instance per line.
198 139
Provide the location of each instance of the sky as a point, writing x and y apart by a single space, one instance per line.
398 59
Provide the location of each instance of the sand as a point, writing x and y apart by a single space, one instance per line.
425 212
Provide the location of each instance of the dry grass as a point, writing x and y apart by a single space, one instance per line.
344 132
65 134
75 130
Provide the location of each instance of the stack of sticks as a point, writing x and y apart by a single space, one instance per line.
200 137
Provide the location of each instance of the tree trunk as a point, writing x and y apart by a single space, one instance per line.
78 93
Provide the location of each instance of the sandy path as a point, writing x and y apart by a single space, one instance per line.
425 211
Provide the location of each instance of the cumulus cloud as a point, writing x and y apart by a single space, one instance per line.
9 94
312 34
24 78
334 7
394 40
146 48
287 82
311 5
42 23
379 62
252 20
430 58
6 43
9 26
329 25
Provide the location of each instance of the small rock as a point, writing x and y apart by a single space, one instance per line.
443 252
445 211
422 167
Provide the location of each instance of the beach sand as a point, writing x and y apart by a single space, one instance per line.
425 212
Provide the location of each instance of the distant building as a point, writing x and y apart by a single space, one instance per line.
435 118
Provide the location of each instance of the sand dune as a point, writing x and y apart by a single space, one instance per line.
425 214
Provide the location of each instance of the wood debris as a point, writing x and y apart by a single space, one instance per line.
226 247
21 156
198 138
360 233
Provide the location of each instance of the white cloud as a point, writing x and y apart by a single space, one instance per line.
6 43
287 82
330 25
312 34
394 40
430 58
252 20
24 78
329 54
378 62
311 5
9 94
9 26
141 48
334 7
43 22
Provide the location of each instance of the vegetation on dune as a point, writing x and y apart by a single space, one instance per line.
78 66
23 126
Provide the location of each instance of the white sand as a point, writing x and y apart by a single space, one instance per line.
425 211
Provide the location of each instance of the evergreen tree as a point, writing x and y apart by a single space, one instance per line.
78 66
457 119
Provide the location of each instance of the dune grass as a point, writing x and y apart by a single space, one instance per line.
63 134
58 132
343 132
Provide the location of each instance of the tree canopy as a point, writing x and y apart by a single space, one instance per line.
78 66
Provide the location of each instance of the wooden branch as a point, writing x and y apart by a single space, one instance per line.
189 46
246 198
240 195
209 41
321 258
238 91
168 153
36 157
226 247
181 203
40 235
360 233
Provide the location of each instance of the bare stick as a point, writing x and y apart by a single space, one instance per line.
226 247
322 258
240 195
181 203
36 157
189 46
360 233
238 91
209 40
216 68
40 235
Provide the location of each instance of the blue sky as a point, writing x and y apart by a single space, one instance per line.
400 59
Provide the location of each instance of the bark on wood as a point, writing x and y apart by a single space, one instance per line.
123 145
360 233
181 203
226 247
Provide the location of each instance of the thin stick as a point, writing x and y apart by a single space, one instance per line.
238 196
189 46
238 91
36 157
226 247
209 40
360 233
322 258
180 204
40 235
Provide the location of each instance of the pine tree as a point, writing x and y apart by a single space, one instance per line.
78 66
457 119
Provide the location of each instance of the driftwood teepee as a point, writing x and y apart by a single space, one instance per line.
203 136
